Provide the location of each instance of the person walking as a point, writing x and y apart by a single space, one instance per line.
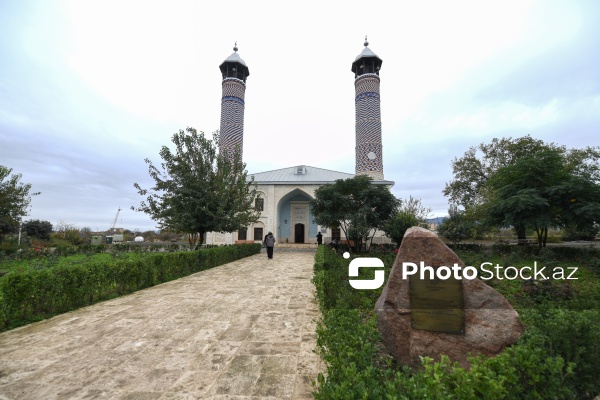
269 242
319 238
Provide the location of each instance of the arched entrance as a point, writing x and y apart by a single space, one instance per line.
295 222
299 233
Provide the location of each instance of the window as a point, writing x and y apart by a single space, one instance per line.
258 234
259 204
242 234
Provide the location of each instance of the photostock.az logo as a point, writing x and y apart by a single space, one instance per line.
366 262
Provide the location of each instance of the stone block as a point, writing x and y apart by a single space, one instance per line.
490 322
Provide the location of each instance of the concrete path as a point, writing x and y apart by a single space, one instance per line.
245 330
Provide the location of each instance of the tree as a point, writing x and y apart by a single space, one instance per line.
397 226
63 227
580 200
38 229
480 163
542 191
196 190
355 205
411 213
74 236
457 227
14 200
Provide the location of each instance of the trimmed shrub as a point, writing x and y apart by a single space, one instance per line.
28 295
473 247
558 356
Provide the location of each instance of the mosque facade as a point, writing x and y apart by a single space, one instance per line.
284 195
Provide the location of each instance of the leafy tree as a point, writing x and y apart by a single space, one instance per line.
411 213
14 200
355 205
74 236
414 207
541 191
397 226
578 197
149 236
197 190
38 229
457 227
480 163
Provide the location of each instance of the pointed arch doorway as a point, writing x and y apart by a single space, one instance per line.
294 217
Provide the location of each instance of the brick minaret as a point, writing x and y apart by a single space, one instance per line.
234 71
368 114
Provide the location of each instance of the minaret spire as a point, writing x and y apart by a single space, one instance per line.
234 71
369 151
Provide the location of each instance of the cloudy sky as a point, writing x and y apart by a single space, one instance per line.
89 89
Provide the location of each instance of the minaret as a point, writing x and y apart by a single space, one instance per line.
234 71
368 114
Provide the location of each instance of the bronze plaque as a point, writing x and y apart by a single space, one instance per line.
437 305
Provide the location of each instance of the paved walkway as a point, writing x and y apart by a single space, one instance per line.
245 330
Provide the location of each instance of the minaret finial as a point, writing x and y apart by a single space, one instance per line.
366 43
235 47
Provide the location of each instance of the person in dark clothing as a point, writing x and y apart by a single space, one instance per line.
334 244
319 238
269 243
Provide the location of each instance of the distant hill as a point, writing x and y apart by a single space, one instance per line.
437 220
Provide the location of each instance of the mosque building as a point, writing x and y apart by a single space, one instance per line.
284 194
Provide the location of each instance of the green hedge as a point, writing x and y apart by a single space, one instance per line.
32 294
9 251
558 356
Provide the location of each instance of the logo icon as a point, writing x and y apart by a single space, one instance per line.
366 262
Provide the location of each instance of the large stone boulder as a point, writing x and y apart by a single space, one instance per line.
490 322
